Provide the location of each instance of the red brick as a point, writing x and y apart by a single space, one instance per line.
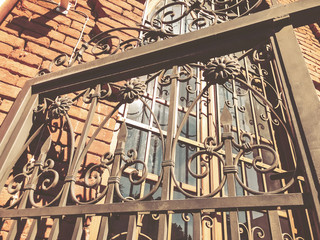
132 16
122 19
56 35
78 113
43 4
21 81
6 76
5 105
101 27
76 16
138 11
136 4
61 47
99 147
84 4
41 51
11 40
110 22
86 11
104 135
26 58
78 26
35 37
47 9
32 25
108 5
87 38
49 12
11 28
18 68
8 91
19 12
88 57
45 21
91 23
69 31
115 20
71 41
122 4
5 49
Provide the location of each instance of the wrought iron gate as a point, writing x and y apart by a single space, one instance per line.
214 139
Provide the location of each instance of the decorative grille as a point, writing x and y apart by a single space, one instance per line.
205 149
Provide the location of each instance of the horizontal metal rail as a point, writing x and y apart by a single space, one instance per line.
262 202
216 40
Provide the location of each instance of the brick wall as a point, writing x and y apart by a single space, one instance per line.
33 34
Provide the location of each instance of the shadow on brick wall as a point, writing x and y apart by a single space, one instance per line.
40 26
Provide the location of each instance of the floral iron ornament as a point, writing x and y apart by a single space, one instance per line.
59 107
131 90
219 70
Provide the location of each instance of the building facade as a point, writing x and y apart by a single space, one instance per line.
160 120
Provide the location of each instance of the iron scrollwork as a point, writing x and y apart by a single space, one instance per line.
160 26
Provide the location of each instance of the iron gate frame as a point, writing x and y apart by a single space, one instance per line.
276 23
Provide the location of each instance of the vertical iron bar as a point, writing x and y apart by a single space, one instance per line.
122 137
226 121
274 222
33 229
166 182
132 228
196 226
304 108
18 138
77 232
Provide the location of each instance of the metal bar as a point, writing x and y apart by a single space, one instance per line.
122 137
226 121
304 108
212 41
166 184
196 226
274 223
18 135
33 229
11 121
259 202
77 232
132 228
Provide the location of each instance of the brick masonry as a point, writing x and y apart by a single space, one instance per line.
33 34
